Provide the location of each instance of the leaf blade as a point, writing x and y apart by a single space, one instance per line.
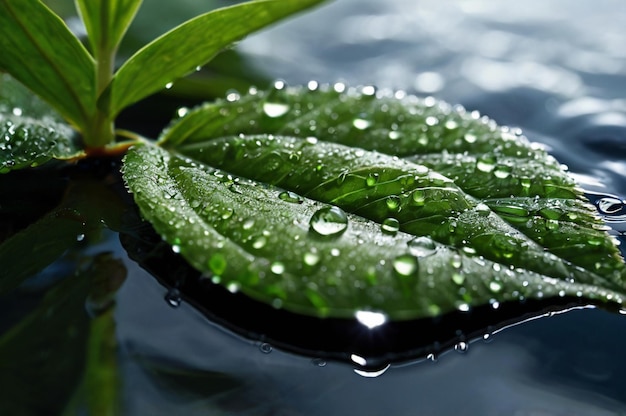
107 21
41 52
266 164
171 56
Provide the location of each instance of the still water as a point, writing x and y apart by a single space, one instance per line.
557 69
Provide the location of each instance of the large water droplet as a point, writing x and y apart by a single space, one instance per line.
275 110
390 226
502 171
329 221
406 265
289 196
422 246
486 163
372 179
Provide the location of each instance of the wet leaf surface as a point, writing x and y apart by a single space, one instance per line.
375 206
31 133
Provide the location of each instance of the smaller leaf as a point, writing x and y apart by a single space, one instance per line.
107 21
29 142
192 44
40 51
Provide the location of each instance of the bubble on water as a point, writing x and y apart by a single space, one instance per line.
461 347
173 298
432 357
390 226
329 221
265 348
289 196
318 362
406 265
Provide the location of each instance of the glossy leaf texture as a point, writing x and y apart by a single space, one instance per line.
173 55
306 223
106 21
27 142
39 50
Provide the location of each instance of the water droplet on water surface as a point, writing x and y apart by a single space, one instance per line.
265 348
173 298
461 347
329 221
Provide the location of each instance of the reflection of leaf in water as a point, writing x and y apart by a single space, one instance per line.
189 382
45 355
85 209
44 348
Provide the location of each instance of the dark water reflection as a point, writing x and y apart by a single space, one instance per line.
556 69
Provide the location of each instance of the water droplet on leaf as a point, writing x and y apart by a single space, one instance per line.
329 221
390 226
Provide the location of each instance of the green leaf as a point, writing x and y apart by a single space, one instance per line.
40 51
326 243
29 142
17 99
107 21
173 55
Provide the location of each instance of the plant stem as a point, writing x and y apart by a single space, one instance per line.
101 131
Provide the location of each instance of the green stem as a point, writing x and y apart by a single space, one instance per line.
102 128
